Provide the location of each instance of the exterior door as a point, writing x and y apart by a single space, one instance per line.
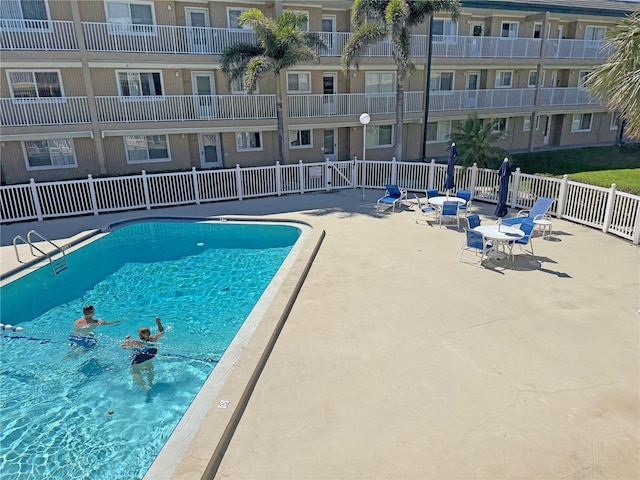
331 145
471 92
329 34
328 92
198 33
210 151
547 130
204 91
475 43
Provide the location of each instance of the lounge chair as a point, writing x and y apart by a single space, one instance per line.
537 212
392 196
477 243
451 210
425 209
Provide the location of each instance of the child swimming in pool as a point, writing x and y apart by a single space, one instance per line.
143 352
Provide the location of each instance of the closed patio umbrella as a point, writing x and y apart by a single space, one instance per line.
449 182
504 173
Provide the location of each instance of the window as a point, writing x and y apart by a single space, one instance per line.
379 136
537 30
509 30
147 148
582 78
42 84
441 81
237 87
537 122
24 15
139 84
500 124
300 139
248 141
615 121
504 78
304 28
594 33
526 124
443 30
233 15
380 82
49 154
581 122
533 78
299 82
130 17
438 132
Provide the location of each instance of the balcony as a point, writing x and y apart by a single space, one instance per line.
351 104
576 49
442 101
37 35
567 96
336 41
485 47
185 107
18 112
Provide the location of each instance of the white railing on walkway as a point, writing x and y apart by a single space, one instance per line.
440 101
43 111
566 96
566 48
345 104
37 35
606 209
445 46
185 107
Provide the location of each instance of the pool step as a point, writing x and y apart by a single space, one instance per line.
59 265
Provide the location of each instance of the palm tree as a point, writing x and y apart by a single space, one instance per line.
617 81
475 140
281 44
375 20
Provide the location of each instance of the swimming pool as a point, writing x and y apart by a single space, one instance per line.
83 416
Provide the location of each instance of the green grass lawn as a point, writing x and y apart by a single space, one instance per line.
600 166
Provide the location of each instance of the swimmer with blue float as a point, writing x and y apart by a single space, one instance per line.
143 351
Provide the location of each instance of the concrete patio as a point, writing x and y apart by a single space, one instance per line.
398 362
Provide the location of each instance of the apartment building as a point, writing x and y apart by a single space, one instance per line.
113 87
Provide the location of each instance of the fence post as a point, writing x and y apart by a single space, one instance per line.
145 188
608 211
432 173
301 175
394 171
196 188
327 171
36 199
278 179
239 182
515 186
636 228
354 172
562 195
474 179
92 193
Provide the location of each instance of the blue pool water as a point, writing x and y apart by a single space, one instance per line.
81 416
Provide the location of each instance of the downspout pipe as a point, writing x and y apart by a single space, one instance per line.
428 89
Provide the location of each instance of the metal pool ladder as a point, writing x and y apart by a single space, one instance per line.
57 264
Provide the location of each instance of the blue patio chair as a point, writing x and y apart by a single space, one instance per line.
477 243
466 195
450 210
527 227
393 195
473 221
432 192
425 209
537 212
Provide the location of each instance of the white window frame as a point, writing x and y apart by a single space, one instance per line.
443 131
242 91
498 121
517 25
127 27
148 159
576 122
298 134
533 73
239 146
615 121
306 12
526 124
449 31
369 75
139 97
436 80
500 74
239 27
37 98
49 167
537 122
22 24
375 129
533 34
289 74
593 29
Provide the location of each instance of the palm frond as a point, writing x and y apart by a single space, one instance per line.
395 17
256 69
363 10
420 9
366 35
234 59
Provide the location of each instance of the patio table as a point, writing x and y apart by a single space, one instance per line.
502 236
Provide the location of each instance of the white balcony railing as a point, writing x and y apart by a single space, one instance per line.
566 96
44 111
441 101
185 107
587 49
346 104
485 47
37 35
336 41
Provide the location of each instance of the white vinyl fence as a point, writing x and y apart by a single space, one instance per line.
606 209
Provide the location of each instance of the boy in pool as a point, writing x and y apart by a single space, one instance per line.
82 335
143 352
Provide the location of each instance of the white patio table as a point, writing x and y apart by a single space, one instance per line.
438 201
502 236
